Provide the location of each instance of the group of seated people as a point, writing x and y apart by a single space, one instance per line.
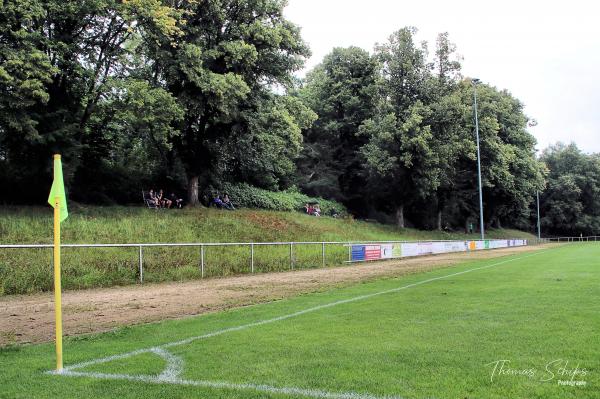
223 202
159 200
313 209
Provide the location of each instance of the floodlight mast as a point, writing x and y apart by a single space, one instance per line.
539 229
474 82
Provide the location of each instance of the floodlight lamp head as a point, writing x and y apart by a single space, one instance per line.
475 81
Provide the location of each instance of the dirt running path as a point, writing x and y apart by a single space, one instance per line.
30 318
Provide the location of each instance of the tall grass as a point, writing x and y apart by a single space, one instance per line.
30 270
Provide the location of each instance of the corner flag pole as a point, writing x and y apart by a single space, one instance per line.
58 200
57 285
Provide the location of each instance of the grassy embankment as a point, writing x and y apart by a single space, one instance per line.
25 271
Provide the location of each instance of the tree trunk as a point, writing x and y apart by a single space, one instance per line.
400 216
439 220
193 191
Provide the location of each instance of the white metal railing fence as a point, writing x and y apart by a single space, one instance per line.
251 248
574 239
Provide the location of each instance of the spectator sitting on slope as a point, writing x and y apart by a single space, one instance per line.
152 198
164 202
227 202
309 209
218 202
177 201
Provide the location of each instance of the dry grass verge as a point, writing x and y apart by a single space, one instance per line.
30 318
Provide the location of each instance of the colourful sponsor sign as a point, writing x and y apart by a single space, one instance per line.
397 251
372 252
358 252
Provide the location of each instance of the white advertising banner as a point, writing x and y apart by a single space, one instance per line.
501 244
410 249
425 248
455 246
438 248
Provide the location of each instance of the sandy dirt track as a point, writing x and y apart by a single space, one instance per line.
30 318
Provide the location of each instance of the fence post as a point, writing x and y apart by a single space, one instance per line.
349 252
292 255
252 258
141 258
323 254
202 261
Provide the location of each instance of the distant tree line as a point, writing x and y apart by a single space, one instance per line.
570 202
191 94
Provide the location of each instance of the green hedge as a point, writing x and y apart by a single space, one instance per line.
246 196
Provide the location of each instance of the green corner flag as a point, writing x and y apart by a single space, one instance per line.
58 189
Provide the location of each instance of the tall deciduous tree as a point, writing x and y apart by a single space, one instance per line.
342 90
400 147
446 122
57 60
399 155
230 53
130 142
25 71
263 148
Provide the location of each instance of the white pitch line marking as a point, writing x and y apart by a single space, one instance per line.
306 392
174 367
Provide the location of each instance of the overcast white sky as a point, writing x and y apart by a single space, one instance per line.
546 53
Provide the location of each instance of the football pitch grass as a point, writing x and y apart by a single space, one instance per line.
521 326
